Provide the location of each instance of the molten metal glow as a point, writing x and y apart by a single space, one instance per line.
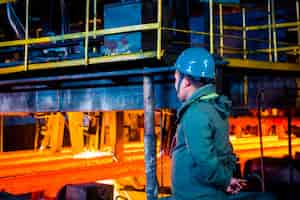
92 154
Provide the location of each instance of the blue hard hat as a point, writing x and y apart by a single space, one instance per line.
196 62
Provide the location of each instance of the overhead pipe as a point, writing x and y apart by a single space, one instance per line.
88 76
149 140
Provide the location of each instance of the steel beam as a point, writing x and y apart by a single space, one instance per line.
79 62
102 98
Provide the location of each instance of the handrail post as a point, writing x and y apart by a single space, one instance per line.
270 30
274 31
211 26
86 44
159 31
221 30
26 35
95 22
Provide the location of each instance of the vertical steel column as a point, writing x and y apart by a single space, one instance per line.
159 32
270 30
62 13
262 168
1 132
86 44
244 34
76 131
149 140
274 31
97 138
162 123
57 133
26 35
221 30
246 82
298 30
95 22
211 26
119 140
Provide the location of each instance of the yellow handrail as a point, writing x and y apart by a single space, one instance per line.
273 45
261 27
81 35
6 1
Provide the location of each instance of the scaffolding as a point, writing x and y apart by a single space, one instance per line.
241 57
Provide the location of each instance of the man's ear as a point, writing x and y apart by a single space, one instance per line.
187 82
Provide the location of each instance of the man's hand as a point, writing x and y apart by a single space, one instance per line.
236 185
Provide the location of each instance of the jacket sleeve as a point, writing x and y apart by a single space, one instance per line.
198 134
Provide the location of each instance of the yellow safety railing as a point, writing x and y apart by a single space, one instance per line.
274 46
6 1
272 28
85 36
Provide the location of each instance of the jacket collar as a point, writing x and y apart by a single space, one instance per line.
200 92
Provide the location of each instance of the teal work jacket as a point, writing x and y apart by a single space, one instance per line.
202 160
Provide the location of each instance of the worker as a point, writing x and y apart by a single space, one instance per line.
203 161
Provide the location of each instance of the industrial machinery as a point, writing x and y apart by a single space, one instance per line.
87 86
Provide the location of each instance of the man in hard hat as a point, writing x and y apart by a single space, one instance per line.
202 159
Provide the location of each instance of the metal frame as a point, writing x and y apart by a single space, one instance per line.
85 35
272 49
78 62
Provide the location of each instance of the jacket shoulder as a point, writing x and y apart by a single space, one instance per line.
200 110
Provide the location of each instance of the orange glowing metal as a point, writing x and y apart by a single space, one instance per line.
92 154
